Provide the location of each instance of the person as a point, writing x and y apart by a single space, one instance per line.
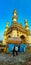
16 50
13 51
19 48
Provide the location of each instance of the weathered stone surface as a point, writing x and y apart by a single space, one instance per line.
21 59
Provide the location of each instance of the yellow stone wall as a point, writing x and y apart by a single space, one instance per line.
14 33
29 39
20 34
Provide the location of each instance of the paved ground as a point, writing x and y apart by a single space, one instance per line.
8 59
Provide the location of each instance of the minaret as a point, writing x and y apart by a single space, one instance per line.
4 40
26 24
6 27
14 18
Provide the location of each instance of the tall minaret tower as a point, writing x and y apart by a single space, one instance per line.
14 18
26 24
6 28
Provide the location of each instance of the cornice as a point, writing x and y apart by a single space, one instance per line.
18 27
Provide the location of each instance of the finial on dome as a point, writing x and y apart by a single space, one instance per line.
26 24
14 18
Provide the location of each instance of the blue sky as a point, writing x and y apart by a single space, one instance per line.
23 8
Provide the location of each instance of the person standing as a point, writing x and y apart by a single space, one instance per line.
16 50
13 51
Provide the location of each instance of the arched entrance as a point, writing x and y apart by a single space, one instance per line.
23 45
23 38
20 46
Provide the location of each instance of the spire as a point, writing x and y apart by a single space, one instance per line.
26 24
14 18
5 37
6 26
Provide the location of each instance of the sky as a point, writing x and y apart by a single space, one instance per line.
23 8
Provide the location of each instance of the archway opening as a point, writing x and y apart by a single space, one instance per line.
23 38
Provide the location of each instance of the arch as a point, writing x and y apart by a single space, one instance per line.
23 38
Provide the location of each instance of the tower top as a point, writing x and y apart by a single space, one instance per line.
26 24
25 21
14 10
6 28
7 22
14 18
